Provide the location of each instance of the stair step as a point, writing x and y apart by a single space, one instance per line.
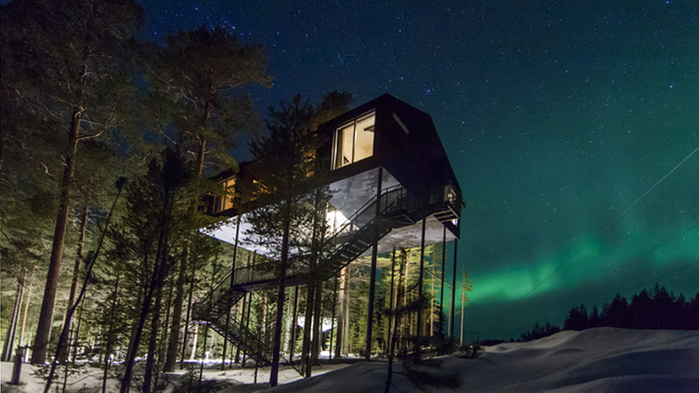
356 247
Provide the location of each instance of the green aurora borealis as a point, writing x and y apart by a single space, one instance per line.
557 117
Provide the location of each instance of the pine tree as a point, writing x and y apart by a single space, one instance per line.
663 310
198 73
616 314
155 207
693 313
74 71
577 319
290 220
640 311
595 318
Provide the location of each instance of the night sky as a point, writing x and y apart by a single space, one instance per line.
558 118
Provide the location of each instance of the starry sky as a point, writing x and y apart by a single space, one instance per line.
571 127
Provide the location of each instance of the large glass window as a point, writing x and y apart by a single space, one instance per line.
354 141
225 201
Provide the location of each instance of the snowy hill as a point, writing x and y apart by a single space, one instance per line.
594 360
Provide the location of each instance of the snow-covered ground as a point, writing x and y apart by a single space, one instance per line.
595 360
89 379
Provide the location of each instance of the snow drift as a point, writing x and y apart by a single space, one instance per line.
594 360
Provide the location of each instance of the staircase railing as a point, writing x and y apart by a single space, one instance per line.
393 199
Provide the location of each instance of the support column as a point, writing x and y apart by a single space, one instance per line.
419 280
453 292
441 284
392 305
332 321
372 278
342 300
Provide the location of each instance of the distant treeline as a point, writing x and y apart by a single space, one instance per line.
656 309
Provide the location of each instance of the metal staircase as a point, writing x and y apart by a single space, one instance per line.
218 316
397 208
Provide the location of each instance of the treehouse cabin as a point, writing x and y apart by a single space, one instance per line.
384 135
391 187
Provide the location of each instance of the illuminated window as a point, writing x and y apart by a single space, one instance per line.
354 141
225 202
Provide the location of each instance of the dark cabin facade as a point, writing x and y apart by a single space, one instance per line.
383 133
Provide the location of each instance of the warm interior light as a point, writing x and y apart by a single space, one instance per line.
354 141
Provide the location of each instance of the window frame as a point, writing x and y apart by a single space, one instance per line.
336 151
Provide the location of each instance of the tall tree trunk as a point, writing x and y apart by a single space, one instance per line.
175 327
8 347
193 354
165 333
294 324
201 153
306 343
174 342
265 311
246 324
317 325
77 331
393 334
26 309
396 289
246 354
153 342
240 313
186 320
43 330
63 356
109 342
135 341
281 276
289 320
154 284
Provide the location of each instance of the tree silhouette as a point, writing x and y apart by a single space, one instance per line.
577 319
657 309
538 332
615 313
